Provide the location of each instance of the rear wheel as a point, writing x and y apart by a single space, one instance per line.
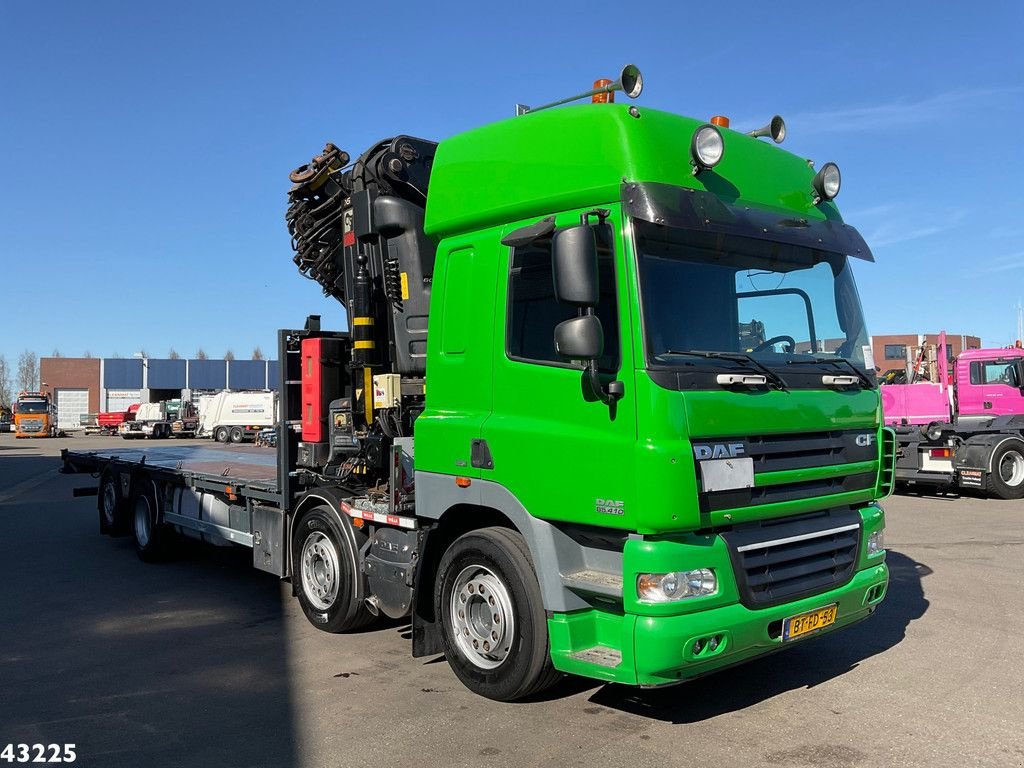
1006 480
236 435
149 535
221 434
325 569
112 506
494 631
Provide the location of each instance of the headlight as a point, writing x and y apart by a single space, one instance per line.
876 543
706 147
677 585
827 182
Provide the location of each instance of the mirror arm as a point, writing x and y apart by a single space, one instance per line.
608 395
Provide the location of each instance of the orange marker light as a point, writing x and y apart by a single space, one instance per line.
602 98
463 482
720 120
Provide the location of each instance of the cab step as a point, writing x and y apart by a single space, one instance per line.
594 583
601 655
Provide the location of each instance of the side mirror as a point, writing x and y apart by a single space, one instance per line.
580 338
574 266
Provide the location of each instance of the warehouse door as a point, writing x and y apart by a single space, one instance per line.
121 399
72 404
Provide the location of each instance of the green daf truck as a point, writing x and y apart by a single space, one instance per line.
602 407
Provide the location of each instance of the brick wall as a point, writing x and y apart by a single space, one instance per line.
72 373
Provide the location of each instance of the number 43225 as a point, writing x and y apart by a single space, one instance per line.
38 753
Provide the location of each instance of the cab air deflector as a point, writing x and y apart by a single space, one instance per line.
695 209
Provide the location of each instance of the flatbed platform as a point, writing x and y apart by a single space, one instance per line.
248 465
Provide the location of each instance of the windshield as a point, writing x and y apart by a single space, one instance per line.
777 302
32 406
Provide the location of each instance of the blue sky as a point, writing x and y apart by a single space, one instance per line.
144 147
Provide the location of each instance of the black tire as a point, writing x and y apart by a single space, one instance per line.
236 435
220 434
112 506
1006 480
149 535
521 666
325 571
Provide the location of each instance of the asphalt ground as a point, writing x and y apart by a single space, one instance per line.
204 661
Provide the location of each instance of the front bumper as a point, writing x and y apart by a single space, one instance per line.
663 645
658 650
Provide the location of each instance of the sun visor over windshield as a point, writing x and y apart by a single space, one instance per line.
703 211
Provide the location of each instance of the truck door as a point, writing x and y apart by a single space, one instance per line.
557 448
997 388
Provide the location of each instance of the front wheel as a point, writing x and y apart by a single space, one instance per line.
1007 477
488 600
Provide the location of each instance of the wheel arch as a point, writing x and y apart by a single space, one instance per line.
331 499
484 504
1008 439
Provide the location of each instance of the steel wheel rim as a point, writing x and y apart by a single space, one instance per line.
109 502
143 523
482 617
320 571
1011 468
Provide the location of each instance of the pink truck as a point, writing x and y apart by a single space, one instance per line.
967 430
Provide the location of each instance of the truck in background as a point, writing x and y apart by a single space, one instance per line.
167 418
611 475
965 430
109 422
237 416
35 415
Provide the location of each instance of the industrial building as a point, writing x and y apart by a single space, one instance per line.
88 385
894 351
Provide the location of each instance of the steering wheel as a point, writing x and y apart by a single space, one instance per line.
773 341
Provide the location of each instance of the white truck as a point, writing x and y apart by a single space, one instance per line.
150 422
237 416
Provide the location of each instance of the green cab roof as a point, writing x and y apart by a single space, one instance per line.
569 157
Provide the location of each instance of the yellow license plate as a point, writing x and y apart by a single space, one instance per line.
805 623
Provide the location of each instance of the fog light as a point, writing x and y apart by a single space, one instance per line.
677 585
876 543
706 147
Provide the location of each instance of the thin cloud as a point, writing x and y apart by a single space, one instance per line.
901 112
898 229
1005 263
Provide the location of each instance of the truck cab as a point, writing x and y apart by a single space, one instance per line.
35 415
965 430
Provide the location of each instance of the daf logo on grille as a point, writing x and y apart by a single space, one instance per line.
865 440
718 450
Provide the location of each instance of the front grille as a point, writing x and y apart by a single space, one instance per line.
800 450
769 494
803 450
778 561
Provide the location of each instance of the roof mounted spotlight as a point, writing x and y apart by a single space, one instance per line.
630 82
826 183
776 129
706 148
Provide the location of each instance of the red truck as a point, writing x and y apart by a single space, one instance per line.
110 421
967 429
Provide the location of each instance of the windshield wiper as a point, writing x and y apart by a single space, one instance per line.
737 357
837 361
